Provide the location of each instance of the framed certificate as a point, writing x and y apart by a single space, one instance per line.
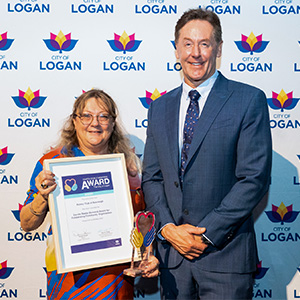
91 211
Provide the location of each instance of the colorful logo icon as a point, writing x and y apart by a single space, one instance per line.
145 225
5 157
5 43
71 185
16 213
4 270
150 97
60 42
251 43
282 101
82 92
261 271
124 43
29 99
282 214
144 231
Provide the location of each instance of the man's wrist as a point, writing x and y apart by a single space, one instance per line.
164 230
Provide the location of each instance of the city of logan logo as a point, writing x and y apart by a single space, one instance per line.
282 101
251 44
260 271
5 271
29 99
16 213
150 97
124 43
282 214
60 42
5 43
5 157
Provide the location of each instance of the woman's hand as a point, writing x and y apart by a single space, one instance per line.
150 267
33 214
45 183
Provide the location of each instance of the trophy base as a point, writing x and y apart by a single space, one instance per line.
132 272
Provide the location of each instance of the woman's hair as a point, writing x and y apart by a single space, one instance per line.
118 142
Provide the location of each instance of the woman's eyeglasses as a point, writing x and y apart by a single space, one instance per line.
87 119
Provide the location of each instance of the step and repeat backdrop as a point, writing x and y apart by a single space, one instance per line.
51 51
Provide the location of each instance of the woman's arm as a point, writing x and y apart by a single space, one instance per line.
33 214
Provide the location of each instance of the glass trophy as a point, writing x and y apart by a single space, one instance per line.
141 238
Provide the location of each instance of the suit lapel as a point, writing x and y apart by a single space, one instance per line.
172 113
217 98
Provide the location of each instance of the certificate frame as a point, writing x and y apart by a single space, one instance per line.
91 211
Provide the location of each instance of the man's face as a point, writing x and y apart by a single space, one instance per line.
197 51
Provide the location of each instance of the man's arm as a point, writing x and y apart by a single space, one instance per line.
253 168
153 181
183 237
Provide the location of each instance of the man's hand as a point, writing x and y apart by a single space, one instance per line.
186 239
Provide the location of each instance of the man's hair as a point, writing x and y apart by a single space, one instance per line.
203 15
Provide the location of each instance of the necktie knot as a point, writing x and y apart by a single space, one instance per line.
194 95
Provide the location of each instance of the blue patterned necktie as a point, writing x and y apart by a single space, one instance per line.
191 119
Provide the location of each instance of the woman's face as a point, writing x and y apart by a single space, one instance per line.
93 137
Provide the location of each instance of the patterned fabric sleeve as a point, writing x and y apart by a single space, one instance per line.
32 192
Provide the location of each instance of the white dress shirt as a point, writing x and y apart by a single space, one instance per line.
204 90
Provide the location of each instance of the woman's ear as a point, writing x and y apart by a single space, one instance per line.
74 123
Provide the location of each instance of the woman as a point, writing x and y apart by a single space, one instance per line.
91 129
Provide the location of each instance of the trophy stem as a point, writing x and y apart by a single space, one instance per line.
148 253
132 258
132 271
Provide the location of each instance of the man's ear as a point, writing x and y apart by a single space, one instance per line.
219 53
176 52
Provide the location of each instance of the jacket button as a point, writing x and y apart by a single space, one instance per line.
229 235
186 212
176 183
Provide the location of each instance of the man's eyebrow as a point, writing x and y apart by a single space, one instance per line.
201 40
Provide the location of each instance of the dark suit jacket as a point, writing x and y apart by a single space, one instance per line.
227 174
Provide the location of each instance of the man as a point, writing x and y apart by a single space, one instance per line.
207 165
